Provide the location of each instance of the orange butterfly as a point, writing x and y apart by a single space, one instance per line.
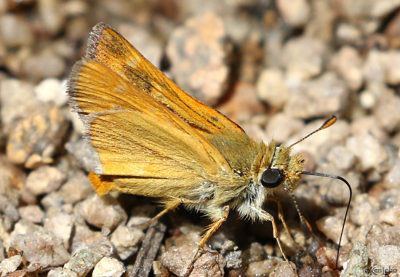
150 138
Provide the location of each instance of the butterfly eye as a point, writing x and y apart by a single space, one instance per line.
272 177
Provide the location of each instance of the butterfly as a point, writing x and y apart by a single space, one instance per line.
150 138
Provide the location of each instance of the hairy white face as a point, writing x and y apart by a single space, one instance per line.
283 173
253 199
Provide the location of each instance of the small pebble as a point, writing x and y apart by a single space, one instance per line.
77 28
41 247
12 180
387 111
341 157
83 235
51 91
326 256
15 31
270 267
234 259
388 256
32 213
10 265
357 265
368 150
77 188
331 226
52 199
368 8
271 87
380 236
177 260
126 240
189 234
383 244
296 13
390 216
256 252
44 65
392 179
389 199
35 139
364 210
45 179
392 71
51 15
9 212
62 272
303 57
61 225
102 212
274 41
22 227
392 31
348 33
108 267
17 100
348 64
374 66
323 22
84 260
237 28
368 99
82 151
383 8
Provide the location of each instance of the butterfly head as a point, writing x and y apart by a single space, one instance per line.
283 171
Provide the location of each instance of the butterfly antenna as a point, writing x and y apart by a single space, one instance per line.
325 125
303 221
348 203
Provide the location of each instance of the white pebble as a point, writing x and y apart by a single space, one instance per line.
108 267
51 90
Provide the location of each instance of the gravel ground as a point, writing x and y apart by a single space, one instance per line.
277 68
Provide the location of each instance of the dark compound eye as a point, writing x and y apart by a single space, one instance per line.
272 177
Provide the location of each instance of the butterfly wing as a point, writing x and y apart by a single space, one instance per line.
110 49
144 128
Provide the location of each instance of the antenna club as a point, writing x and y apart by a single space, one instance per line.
329 122
326 124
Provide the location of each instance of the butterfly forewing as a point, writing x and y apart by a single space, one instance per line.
141 125
112 50
134 135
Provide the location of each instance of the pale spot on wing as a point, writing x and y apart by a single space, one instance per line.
120 89
132 62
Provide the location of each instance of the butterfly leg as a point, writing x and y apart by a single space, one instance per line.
280 214
267 217
210 231
169 205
